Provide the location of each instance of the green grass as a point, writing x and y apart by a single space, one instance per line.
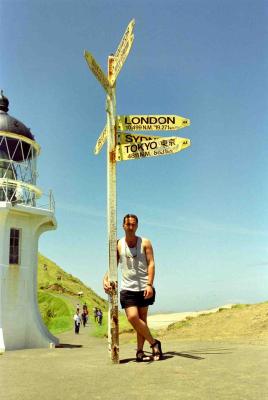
56 313
180 324
53 279
240 306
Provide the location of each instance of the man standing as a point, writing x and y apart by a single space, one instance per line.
136 259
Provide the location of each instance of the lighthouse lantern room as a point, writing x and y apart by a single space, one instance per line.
22 221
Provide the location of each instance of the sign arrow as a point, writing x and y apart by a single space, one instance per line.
97 71
124 138
151 122
123 50
130 138
121 60
126 36
151 148
101 140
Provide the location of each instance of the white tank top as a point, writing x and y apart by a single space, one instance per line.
134 266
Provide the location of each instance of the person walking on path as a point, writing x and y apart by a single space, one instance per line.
136 259
99 316
77 322
85 315
84 318
95 312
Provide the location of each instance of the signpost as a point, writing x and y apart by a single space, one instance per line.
101 140
123 50
113 332
151 122
97 71
142 123
130 138
127 146
151 148
126 137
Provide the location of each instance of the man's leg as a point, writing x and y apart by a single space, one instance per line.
143 311
138 324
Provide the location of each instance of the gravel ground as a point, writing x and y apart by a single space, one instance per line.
203 370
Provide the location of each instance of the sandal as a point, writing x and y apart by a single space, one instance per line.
157 350
141 357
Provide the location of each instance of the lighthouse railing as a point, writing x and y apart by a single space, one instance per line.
47 201
17 192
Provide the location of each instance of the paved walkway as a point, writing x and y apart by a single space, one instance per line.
81 370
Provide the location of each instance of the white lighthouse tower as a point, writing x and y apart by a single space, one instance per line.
22 221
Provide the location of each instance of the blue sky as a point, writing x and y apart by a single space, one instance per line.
205 208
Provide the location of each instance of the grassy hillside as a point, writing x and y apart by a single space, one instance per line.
58 295
242 322
53 279
246 323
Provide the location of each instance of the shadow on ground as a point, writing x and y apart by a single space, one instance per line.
68 346
189 354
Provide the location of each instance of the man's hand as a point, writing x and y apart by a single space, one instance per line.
109 286
148 292
106 286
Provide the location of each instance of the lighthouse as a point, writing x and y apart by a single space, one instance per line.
24 216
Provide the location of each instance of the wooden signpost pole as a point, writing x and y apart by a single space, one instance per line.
113 331
131 146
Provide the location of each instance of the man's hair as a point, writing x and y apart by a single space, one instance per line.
131 216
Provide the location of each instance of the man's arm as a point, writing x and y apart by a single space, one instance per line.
149 253
106 283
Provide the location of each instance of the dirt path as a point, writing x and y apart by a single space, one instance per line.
81 370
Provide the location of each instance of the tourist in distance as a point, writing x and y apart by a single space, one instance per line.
95 312
136 259
77 321
84 317
99 316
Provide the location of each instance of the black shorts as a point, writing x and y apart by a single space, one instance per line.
129 298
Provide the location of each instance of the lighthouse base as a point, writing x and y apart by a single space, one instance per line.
21 325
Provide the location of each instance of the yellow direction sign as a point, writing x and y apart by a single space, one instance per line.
133 138
101 140
97 71
151 122
122 138
126 138
123 50
151 148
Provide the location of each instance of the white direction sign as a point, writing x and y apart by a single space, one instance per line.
101 140
97 71
151 148
123 50
151 122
